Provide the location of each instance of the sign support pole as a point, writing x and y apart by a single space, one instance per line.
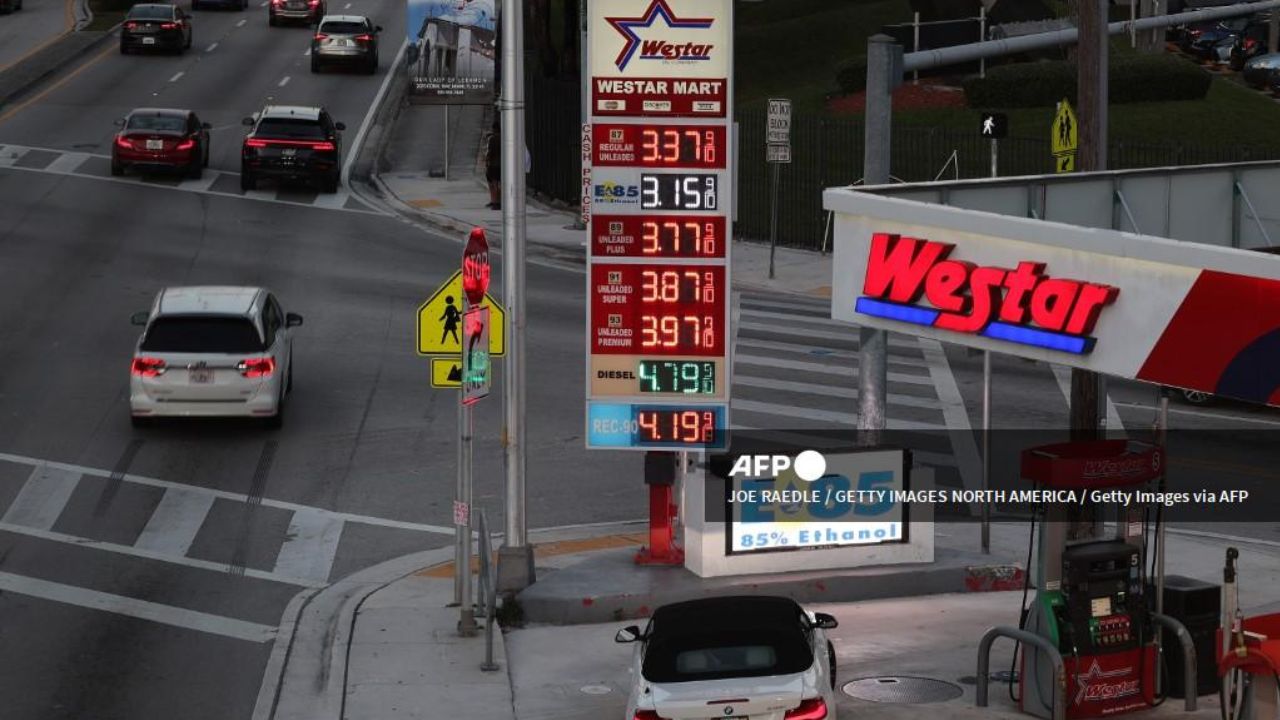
986 404
515 566
773 220
446 143
460 561
467 618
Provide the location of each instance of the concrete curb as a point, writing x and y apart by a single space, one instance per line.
23 76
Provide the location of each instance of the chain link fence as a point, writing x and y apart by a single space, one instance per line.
827 152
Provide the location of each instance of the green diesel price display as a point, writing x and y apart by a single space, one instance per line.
691 377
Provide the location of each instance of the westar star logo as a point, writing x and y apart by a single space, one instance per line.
659 49
1095 686
1022 305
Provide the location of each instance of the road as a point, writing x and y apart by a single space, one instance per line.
143 573
37 24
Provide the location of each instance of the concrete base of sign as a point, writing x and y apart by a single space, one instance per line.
705 543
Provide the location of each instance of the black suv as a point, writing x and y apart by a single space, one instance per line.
291 143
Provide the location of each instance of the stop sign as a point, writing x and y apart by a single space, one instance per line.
475 267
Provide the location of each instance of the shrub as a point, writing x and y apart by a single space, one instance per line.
1133 78
851 76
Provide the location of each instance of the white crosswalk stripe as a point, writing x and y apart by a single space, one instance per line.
175 521
214 182
42 498
312 543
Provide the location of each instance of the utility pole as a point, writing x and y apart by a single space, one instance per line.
515 558
884 73
1088 392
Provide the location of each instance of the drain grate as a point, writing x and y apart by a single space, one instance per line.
899 689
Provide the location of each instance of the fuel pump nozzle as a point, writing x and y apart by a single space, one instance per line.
1232 633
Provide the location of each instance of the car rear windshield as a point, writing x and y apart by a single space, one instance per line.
343 27
203 334
164 123
742 652
290 129
151 12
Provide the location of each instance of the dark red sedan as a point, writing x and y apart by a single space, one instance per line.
161 139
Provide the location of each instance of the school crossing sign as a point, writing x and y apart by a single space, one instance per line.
658 180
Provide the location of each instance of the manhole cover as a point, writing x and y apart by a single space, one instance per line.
900 689
596 689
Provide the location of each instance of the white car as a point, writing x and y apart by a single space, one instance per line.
732 658
212 351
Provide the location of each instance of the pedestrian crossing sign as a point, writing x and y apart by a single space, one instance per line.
439 323
446 372
1064 133
1064 163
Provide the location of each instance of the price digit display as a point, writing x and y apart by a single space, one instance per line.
663 427
691 377
659 145
679 191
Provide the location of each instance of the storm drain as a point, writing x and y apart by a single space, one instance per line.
900 689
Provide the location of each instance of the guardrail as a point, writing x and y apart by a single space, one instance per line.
487 597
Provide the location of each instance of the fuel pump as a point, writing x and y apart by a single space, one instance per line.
1090 585
1249 658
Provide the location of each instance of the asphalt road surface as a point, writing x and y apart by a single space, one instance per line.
31 28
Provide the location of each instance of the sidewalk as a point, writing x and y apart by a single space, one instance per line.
410 183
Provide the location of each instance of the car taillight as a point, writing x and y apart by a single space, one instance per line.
186 144
313 3
814 709
321 36
323 146
364 38
257 367
1249 43
122 141
148 367
253 143
646 715
168 25
131 25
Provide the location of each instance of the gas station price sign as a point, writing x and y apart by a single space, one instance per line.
658 176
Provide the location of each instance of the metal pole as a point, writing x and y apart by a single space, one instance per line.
884 73
584 73
773 219
982 35
466 605
459 495
515 567
1273 32
1162 434
986 404
1133 15
915 45
446 142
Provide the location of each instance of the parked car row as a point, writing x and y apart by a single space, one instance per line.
1243 44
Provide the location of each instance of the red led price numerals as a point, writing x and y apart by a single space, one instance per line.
670 333
676 236
680 426
695 147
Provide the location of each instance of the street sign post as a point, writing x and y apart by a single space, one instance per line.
777 152
476 366
779 117
1064 137
658 178
446 372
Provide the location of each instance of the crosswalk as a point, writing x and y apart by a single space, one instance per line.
301 554
213 182
795 370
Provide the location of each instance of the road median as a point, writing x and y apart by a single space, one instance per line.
28 73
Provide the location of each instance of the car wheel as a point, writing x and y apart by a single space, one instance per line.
188 45
195 170
315 64
372 66
831 657
329 183
139 422
271 20
288 385
275 422
117 168
1195 397
124 49
195 5
248 181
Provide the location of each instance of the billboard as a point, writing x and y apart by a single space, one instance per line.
1179 314
452 52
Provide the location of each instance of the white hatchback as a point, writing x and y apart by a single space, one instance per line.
212 351
732 658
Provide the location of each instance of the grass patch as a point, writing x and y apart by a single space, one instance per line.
107 14
791 48
1228 115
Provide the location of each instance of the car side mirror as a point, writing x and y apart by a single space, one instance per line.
628 634
378 29
340 126
292 319
140 318
825 621
206 126
247 122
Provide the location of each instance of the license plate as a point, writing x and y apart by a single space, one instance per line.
289 152
342 43
148 41
155 144
201 376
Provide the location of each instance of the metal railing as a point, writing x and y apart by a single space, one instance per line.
1189 679
1026 638
487 597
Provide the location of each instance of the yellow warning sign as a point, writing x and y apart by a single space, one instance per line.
439 328
446 372
1064 132
1064 163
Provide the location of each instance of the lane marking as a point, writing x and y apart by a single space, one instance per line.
347 6
968 459
140 609
66 79
333 201
799 304
795 317
67 163
284 82
203 184
746 359
830 391
850 335
178 75
1200 413
241 23
311 546
211 48
10 154
1063 376
234 497
308 52
830 416
825 352
131 551
175 522
42 498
